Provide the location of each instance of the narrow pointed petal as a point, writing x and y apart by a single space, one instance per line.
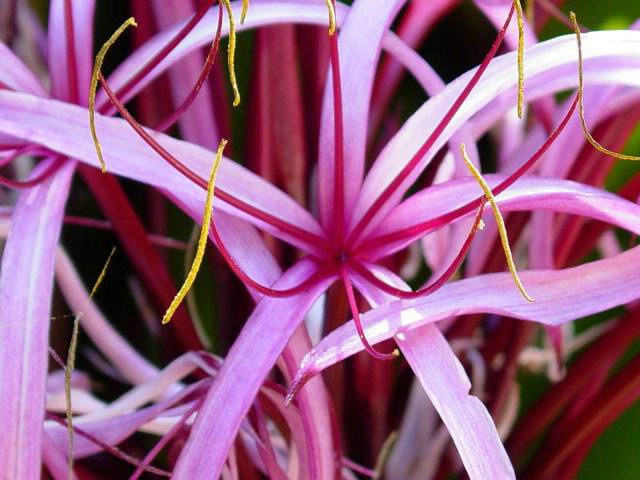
360 46
561 296
467 419
530 193
64 128
59 68
445 382
262 14
26 286
110 431
550 67
250 359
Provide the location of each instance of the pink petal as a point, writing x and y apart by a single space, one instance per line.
464 415
447 385
263 13
82 12
252 356
64 128
26 285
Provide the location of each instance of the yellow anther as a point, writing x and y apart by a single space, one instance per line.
502 230
520 18
202 240
245 9
585 129
332 16
97 66
231 52
71 362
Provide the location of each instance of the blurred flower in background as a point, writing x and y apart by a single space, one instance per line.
347 222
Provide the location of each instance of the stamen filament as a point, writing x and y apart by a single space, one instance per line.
583 122
71 362
202 240
338 174
97 66
332 16
204 73
231 53
520 20
351 298
441 280
19 184
504 238
264 290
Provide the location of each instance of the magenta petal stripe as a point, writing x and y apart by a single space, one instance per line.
252 356
26 284
467 419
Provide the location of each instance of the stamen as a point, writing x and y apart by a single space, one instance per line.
231 53
97 66
520 20
71 362
332 16
202 240
499 222
583 122
245 10
351 298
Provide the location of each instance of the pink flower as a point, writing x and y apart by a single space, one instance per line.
360 217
